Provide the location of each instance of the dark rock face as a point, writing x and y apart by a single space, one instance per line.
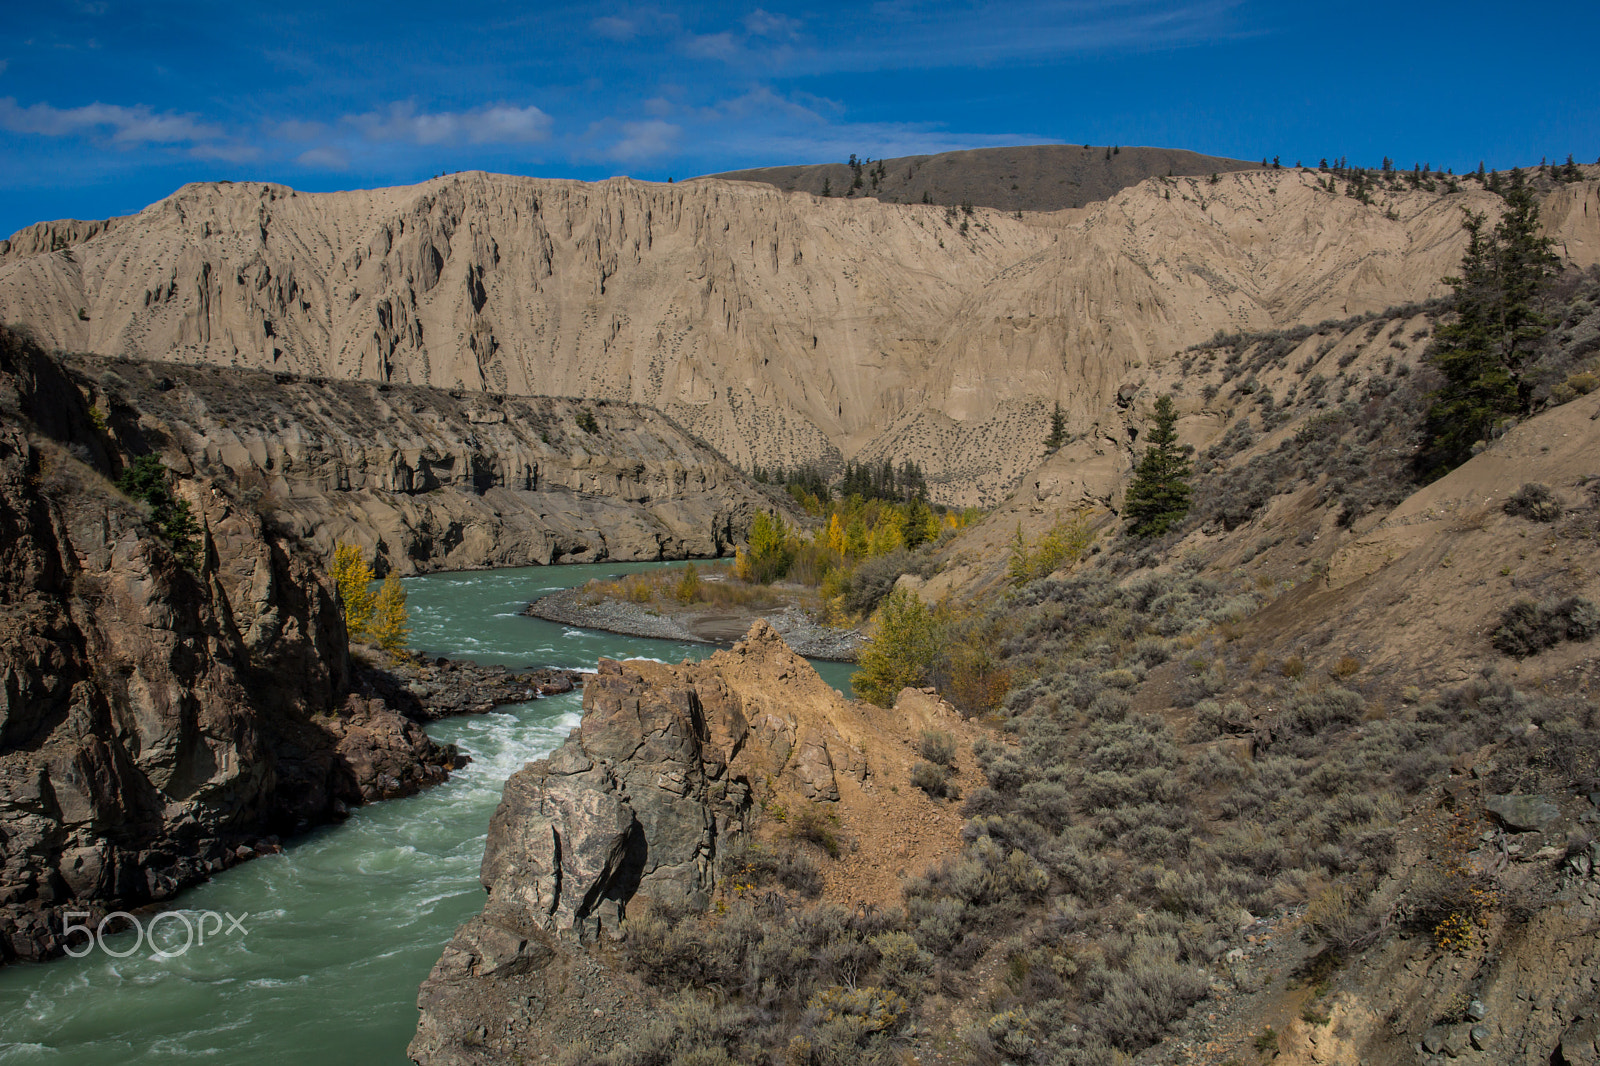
1523 813
153 720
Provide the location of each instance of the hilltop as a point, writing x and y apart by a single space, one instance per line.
1036 177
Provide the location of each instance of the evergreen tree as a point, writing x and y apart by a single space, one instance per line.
147 479
1058 431
1019 567
1158 497
1484 350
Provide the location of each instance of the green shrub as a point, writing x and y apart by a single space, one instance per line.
147 480
1527 628
813 825
749 863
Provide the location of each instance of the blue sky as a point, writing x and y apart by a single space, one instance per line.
106 106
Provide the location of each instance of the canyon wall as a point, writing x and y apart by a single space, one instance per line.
778 327
156 720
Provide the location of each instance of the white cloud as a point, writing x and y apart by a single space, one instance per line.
646 140
711 46
762 100
324 158
508 125
127 126
295 129
499 124
761 23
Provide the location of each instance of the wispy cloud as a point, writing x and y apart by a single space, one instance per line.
902 34
323 158
227 153
761 23
497 124
711 46
125 126
615 29
645 141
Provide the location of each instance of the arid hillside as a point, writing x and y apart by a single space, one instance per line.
778 326
1033 177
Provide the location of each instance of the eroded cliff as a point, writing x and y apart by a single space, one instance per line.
669 773
777 326
426 479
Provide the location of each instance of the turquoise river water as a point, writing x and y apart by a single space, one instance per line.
342 927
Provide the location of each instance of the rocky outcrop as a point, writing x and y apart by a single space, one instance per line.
426 479
778 326
667 766
662 768
42 238
155 720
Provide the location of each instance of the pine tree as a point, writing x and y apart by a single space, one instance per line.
1058 431
147 479
1484 350
1158 497
1019 567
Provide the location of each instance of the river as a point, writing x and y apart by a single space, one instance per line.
341 928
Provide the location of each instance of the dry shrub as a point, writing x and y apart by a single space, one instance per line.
1535 502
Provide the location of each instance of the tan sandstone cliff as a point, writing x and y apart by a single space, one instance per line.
777 326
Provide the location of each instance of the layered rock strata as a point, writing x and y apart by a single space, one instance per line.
427 479
778 326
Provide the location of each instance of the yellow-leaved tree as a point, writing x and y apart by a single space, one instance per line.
389 628
353 578
902 652
375 617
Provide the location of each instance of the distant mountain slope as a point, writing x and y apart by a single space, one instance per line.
1031 177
